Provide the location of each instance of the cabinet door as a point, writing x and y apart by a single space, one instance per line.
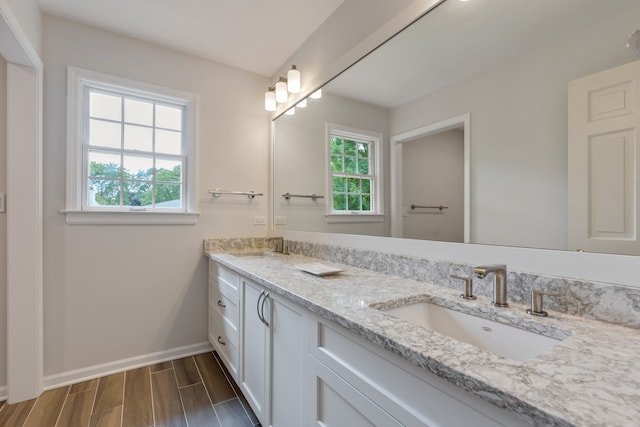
287 327
254 355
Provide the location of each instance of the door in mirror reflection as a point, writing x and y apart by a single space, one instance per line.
604 160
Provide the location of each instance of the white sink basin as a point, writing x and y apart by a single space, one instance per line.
255 254
503 340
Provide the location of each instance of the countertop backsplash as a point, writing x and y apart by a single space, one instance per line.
247 244
592 300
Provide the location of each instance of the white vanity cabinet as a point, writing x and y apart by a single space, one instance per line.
296 368
271 361
353 382
224 314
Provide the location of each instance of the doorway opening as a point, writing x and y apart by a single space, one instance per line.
430 181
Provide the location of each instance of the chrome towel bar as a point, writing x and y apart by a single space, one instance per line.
429 207
250 194
313 196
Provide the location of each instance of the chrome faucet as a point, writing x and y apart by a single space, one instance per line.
499 281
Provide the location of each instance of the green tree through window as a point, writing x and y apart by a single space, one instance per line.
135 151
352 174
135 189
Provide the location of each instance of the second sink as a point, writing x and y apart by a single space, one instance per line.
503 340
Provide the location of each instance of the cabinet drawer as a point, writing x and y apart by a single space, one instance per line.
228 280
221 326
411 395
224 339
228 310
335 403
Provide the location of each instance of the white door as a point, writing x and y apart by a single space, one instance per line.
604 161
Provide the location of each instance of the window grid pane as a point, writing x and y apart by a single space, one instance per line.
352 174
127 171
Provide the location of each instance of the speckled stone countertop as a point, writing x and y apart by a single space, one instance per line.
591 378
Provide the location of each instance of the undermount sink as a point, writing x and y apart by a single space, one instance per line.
503 340
254 254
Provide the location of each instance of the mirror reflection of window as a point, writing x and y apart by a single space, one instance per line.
351 174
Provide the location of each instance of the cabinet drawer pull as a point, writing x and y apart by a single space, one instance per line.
258 307
221 304
221 342
264 300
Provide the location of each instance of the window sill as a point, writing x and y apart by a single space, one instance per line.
130 218
352 218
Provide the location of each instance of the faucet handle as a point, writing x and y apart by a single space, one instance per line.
468 287
536 302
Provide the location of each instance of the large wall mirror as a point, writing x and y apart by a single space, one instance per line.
471 102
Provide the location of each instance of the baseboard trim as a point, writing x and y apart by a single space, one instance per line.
4 393
96 371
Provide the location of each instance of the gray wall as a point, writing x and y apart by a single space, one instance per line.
433 174
116 292
27 12
519 132
301 167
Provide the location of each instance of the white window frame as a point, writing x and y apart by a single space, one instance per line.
377 213
76 211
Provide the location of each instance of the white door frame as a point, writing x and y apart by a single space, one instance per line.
23 210
397 142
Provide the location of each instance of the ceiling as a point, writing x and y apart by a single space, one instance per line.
459 39
253 35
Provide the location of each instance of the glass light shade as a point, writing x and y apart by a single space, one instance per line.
291 111
302 103
317 94
293 80
281 92
270 100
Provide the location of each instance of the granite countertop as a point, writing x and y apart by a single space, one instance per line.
589 378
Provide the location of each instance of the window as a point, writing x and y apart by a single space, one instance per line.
131 152
354 177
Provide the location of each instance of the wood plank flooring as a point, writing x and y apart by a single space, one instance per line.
194 391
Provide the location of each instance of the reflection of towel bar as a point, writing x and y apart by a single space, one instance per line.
440 208
313 196
250 194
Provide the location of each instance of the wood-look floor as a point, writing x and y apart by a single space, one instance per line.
190 392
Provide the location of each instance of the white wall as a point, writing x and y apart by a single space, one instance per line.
301 164
433 175
519 132
3 222
115 292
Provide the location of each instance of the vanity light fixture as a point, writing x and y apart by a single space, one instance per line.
302 104
270 99
316 95
293 80
279 93
291 111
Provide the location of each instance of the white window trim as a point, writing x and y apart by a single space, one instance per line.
355 217
77 79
